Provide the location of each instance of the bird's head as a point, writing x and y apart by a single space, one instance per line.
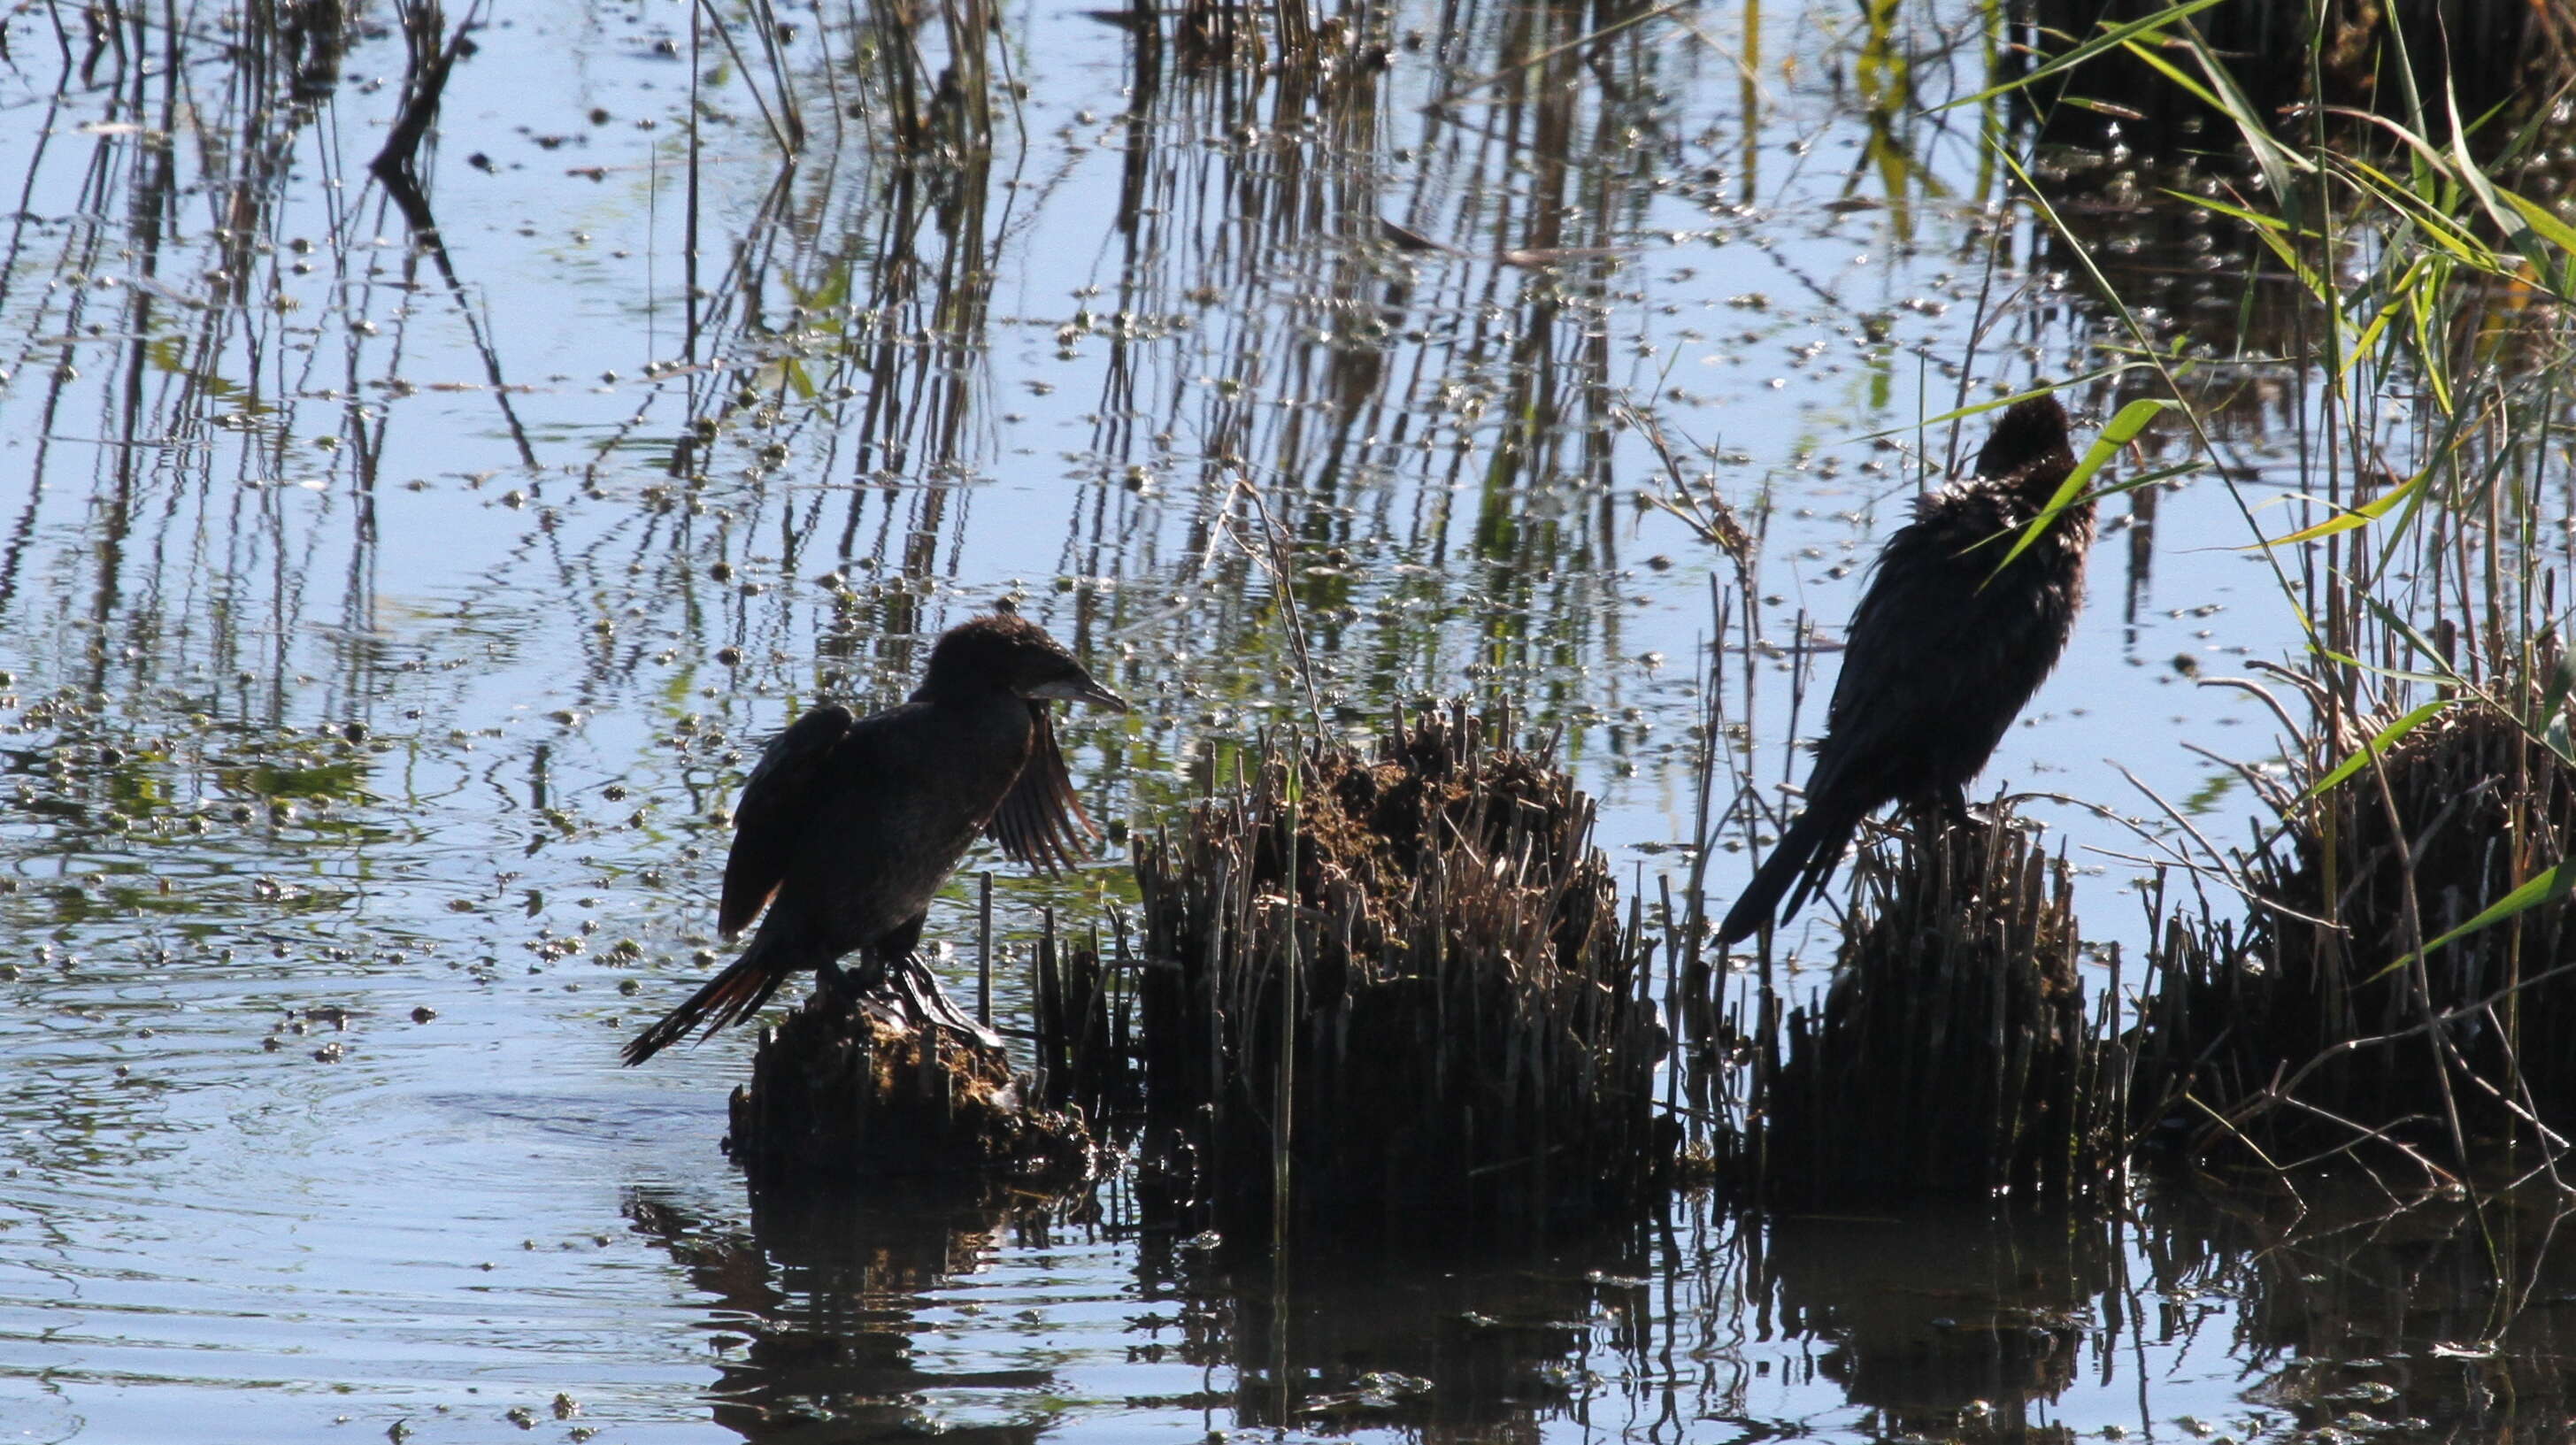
1009 652
2029 445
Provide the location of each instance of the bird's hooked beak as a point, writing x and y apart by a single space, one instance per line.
1080 688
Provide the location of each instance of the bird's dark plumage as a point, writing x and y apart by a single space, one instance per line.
848 825
1941 654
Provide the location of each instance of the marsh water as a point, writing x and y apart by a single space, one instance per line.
385 626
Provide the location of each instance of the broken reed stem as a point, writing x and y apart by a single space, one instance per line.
1082 1029
967 85
1284 1133
984 949
430 62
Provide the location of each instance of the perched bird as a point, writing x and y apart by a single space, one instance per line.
1941 654
848 825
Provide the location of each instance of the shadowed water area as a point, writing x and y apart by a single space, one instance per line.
388 617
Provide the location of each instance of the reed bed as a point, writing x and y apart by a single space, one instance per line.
2373 975
2403 61
2362 1003
1397 994
841 1096
1954 1053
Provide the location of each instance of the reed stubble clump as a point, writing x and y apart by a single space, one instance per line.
843 1095
2311 1024
1452 1043
1953 1054
1085 1006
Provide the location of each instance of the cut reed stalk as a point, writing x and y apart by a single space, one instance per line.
1082 1009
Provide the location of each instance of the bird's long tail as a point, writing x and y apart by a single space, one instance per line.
1805 858
729 997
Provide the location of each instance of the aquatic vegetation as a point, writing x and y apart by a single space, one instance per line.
1391 1001
2389 988
1955 1053
844 1097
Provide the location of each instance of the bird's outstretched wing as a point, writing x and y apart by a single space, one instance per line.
1040 821
769 822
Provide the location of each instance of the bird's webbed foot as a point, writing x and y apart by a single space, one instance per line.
927 1005
848 987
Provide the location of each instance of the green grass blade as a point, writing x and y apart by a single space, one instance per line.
2548 886
2361 516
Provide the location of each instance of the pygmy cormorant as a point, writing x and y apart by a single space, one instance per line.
848 825
1941 654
